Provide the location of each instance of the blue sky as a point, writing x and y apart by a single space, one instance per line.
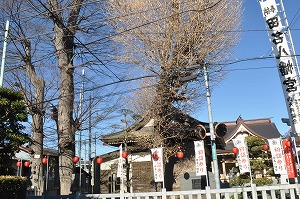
254 93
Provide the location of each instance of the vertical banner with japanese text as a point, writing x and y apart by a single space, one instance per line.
289 158
243 155
277 156
200 158
120 163
158 164
286 62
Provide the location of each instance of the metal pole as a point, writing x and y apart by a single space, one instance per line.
4 53
21 168
18 171
80 132
90 139
211 129
47 173
121 173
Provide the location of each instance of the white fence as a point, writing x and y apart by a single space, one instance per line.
254 192
291 191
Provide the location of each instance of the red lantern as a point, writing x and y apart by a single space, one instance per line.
179 154
124 154
75 159
265 147
99 160
155 156
19 164
27 164
287 143
235 150
45 160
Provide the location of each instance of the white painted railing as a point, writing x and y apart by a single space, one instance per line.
291 191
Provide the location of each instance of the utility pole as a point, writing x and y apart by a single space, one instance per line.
211 129
80 131
4 53
90 139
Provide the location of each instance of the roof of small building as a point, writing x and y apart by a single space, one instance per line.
146 126
263 128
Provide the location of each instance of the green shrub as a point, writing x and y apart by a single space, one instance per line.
13 187
262 181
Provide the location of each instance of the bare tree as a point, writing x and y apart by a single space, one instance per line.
174 39
26 78
39 47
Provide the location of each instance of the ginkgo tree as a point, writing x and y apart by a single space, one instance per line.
166 38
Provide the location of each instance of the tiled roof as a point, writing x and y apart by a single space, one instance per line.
145 128
263 128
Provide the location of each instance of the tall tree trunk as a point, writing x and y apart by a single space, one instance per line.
64 45
36 109
66 131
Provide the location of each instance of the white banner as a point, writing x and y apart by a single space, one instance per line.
243 155
277 156
200 158
158 164
285 63
120 164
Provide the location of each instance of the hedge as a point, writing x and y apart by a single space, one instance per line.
13 187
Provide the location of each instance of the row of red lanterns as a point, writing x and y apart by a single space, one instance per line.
27 163
155 156
99 160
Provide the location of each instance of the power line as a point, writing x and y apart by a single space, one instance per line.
85 46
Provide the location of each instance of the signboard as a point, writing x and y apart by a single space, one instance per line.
285 63
200 158
196 183
277 156
158 166
242 156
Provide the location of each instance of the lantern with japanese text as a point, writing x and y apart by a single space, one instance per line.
180 154
99 160
124 154
27 164
19 164
44 160
75 159
235 150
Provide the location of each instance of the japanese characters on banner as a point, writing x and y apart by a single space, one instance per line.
243 156
286 64
277 156
289 158
120 163
200 158
158 166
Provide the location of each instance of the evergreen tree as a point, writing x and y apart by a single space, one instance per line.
12 114
260 164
